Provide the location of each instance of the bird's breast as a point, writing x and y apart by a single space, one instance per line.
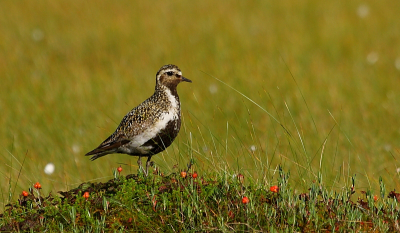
159 125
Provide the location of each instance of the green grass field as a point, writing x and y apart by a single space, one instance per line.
329 72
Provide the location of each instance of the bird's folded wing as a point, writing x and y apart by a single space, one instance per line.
109 146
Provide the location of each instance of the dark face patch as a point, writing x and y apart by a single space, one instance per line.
169 81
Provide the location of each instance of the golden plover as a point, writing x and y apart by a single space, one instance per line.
152 126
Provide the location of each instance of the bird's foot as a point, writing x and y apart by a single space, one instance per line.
141 167
148 164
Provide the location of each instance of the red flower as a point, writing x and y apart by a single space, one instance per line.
86 195
25 193
37 185
245 200
375 197
119 169
274 189
194 175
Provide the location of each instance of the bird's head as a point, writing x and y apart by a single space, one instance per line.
170 76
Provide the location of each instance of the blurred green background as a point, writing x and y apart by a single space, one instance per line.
70 70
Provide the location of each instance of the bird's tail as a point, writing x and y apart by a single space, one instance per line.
106 148
97 153
96 156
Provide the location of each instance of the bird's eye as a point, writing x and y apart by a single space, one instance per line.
170 73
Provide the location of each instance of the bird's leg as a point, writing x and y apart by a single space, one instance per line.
139 162
148 164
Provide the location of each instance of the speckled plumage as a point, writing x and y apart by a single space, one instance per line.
152 126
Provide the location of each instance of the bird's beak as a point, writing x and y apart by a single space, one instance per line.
186 80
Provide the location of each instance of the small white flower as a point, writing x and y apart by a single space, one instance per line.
49 168
37 35
397 63
76 149
363 11
387 147
213 88
253 148
372 57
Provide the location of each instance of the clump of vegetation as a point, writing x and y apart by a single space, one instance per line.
185 200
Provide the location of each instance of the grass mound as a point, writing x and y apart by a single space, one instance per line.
183 201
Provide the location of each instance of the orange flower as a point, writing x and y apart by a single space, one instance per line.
245 200
119 169
183 174
86 195
25 193
37 185
194 175
274 189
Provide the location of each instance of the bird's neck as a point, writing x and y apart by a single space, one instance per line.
170 92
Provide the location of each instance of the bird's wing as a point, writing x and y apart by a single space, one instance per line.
131 125
138 120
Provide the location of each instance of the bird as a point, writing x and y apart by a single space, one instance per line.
152 126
